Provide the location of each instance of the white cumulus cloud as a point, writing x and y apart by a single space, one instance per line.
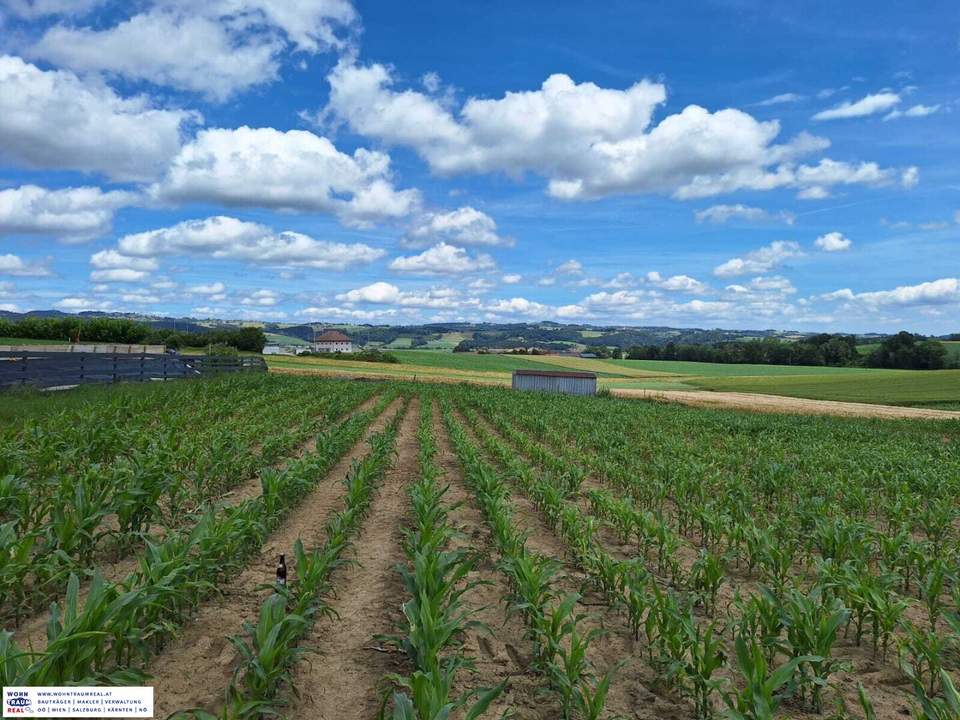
51 119
72 214
760 260
463 226
443 259
17 266
293 170
588 141
833 242
214 47
227 238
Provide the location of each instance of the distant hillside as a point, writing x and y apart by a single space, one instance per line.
446 336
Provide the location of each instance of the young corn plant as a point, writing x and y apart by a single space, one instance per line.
706 576
706 655
763 688
812 625
436 618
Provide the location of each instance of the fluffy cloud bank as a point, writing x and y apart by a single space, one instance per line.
73 214
227 238
293 170
214 47
935 292
17 266
586 140
51 119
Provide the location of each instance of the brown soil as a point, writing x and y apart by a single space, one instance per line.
195 669
340 677
781 404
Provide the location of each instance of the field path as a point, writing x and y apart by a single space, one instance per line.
782 404
195 668
339 677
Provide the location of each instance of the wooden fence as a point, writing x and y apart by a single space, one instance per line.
57 369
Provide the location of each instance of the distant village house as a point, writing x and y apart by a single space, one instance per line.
332 341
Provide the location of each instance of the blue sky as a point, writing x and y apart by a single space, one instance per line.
712 164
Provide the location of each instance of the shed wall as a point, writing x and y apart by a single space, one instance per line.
548 383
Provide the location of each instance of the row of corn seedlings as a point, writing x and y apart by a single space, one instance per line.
36 563
435 618
688 655
112 422
121 624
554 625
847 590
269 648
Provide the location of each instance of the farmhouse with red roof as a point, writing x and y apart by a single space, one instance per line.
332 341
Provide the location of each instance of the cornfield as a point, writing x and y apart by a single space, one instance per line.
537 556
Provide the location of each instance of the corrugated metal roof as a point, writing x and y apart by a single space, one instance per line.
558 373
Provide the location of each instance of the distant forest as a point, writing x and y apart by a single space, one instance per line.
903 351
129 332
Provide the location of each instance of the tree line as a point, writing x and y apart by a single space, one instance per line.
128 332
903 351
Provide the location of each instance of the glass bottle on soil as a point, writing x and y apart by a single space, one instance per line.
282 571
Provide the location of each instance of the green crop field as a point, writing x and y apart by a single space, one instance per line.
516 554
277 339
935 389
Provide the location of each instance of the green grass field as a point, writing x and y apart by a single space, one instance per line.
468 361
936 389
29 341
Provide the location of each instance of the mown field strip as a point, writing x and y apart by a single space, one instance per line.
341 680
194 670
31 632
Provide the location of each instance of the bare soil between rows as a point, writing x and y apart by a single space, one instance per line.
195 669
340 676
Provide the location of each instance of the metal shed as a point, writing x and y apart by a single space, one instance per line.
569 383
